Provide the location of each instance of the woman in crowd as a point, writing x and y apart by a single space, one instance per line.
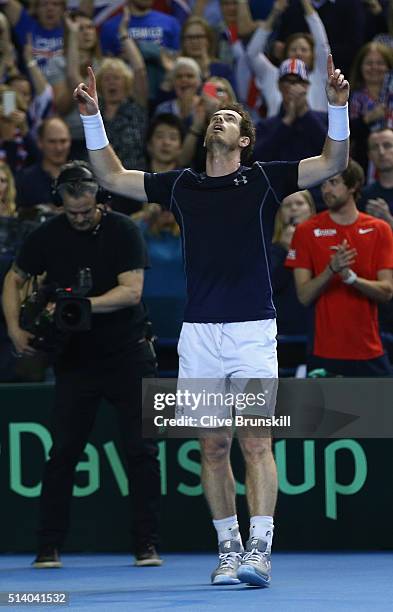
371 102
292 317
186 81
123 107
198 41
312 49
7 191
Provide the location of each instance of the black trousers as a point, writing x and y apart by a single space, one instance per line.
78 393
380 366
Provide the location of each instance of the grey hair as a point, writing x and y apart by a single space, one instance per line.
188 62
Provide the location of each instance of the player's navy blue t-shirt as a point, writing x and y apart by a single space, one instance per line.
227 225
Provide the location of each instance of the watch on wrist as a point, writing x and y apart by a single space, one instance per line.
351 278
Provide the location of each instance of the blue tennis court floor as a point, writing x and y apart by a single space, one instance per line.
302 582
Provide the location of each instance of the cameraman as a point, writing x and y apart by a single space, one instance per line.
108 361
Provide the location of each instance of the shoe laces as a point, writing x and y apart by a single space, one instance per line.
255 555
229 560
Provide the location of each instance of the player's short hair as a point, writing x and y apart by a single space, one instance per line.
353 177
246 128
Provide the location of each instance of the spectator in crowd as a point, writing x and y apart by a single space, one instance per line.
164 288
312 49
164 142
34 185
233 31
236 24
8 67
344 22
186 80
35 93
377 198
296 131
17 147
7 191
371 104
123 104
198 42
145 25
44 22
81 49
153 32
343 261
292 317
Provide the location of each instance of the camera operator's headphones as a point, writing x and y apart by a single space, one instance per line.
77 172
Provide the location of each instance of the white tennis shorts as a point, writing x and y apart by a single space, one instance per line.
226 357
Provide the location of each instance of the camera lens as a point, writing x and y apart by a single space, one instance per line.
71 314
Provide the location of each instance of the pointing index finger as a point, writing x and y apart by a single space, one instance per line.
92 78
330 66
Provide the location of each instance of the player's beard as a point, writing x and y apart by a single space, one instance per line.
215 144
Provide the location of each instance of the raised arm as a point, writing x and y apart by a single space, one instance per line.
318 32
35 73
12 10
334 157
107 167
134 58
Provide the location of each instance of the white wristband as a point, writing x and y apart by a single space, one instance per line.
338 122
95 134
351 278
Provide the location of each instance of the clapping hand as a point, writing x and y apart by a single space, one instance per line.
343 258
378 207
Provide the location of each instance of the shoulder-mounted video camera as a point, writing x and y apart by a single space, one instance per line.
51 313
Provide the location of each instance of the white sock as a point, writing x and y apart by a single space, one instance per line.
262 527
227 529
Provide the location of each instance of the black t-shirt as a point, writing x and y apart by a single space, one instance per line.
34 186
114 247
227 225
373 191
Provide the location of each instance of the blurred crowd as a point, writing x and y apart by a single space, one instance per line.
162 68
